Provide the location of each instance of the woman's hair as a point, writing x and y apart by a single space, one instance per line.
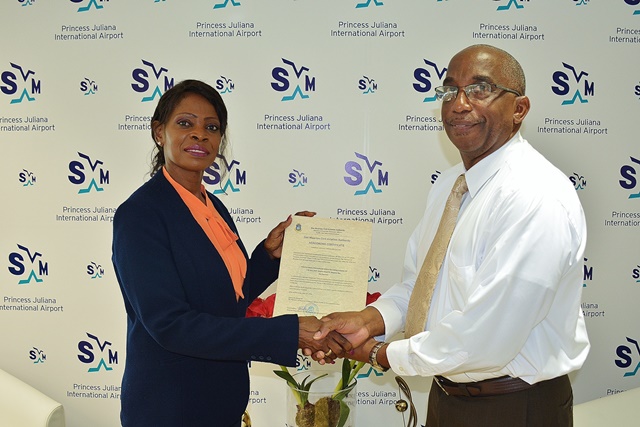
168 102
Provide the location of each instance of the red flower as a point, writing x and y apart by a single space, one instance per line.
262 307
372 297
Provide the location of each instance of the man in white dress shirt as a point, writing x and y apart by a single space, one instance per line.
505 326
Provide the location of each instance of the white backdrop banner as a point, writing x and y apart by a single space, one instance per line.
332 109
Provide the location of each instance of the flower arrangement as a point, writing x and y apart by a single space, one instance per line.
331 410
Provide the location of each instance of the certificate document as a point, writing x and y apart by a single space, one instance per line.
324 266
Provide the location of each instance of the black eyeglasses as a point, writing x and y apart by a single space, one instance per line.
475 92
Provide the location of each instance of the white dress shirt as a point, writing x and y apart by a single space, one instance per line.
507 301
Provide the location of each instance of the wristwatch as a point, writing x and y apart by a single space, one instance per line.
373 357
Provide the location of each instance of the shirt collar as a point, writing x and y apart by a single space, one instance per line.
482 171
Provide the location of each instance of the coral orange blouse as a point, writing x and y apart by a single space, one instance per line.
218 232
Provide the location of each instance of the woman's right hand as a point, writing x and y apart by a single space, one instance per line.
273 242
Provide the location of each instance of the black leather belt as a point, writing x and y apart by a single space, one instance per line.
491 387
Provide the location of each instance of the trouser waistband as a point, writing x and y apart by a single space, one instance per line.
490 387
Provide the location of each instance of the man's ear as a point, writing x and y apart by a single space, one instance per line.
522 108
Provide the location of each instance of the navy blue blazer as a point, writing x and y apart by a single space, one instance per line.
188 341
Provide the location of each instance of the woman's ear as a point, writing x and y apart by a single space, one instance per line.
522 108
157 132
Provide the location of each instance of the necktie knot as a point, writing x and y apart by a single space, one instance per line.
460 186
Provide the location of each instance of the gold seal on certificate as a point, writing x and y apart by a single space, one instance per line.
324 266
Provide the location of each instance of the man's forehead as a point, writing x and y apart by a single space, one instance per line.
472 65
476 78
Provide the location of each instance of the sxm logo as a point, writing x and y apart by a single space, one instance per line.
517 4
629 181
423 76
297 178
225 3
80 174
367 85
370 371
627 356
88 86
26 178
225 85
95 4
563 82
19 84
303 363
581 2
28 266
633 3
300 78
587 273
374 274
369 3
151 79
236 176
26 2
579 182
37 356
637 90
95 271
355 177
89 354
636 273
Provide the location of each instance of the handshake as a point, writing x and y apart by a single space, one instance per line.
344 335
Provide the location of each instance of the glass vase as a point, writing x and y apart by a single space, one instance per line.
322 405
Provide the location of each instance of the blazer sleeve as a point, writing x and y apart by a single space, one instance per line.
155 298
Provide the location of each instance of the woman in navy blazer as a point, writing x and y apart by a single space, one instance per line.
188 341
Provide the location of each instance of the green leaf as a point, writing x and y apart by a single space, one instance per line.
355 369
301 397
285 375
304 388
303 385
344 414
300 390
346 371
314 380
341 394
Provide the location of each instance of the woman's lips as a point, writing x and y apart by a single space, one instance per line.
197 151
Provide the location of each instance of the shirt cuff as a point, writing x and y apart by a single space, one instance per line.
391 316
